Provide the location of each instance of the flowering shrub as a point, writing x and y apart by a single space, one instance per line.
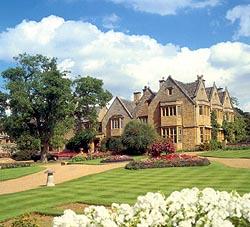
176 156
117 158
161 146
165 161
14 165
187 208
90 156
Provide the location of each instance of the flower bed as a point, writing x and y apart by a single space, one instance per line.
117 158
96 155
14 165
170 160
187 208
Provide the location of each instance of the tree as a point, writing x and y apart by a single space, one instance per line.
39 98
137 137
81 140
89 95
235 131
215 126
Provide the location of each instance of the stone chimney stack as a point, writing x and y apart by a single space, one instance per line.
137 96
161 82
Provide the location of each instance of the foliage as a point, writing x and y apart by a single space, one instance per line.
24 221
89 156
81 140
89 94
246 117
167 162
185 208
211 145
161 146
23 155
115 145
137 137
14 165
235 131
215 125
78 159
117 158
9 148
39 98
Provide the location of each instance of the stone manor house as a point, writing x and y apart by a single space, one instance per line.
178 110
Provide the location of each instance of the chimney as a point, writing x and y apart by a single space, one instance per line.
161 82
137 96
200 77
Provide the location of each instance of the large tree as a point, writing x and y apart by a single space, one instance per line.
40 101
89 95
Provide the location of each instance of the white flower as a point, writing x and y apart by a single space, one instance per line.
189 207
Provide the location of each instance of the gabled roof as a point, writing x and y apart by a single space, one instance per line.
209 92
153 94
129 106
189 88
221 95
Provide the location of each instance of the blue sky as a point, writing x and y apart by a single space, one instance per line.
132 43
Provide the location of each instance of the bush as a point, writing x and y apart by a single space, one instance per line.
78 159
212 145
188 207
163 163
24 221
117 158
137 137
215 145
23 155
161 146
114 144
81 140
14 165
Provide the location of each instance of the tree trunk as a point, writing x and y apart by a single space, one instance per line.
44 151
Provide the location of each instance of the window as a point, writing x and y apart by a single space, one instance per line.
175 133
99 127
201 110
116 123
169 111
207 134
170 91
202 134
179 134
144 119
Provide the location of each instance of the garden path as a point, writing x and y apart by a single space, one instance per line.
62 173
231 162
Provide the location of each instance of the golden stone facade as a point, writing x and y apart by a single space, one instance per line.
178 110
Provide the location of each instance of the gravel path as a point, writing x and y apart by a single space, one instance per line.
232 162
62 173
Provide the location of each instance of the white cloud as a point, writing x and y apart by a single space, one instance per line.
111 21
128 62
240 13
166 7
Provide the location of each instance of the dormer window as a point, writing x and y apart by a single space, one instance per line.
170 91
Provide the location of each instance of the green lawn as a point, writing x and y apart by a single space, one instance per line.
227 154
7 174
123 186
